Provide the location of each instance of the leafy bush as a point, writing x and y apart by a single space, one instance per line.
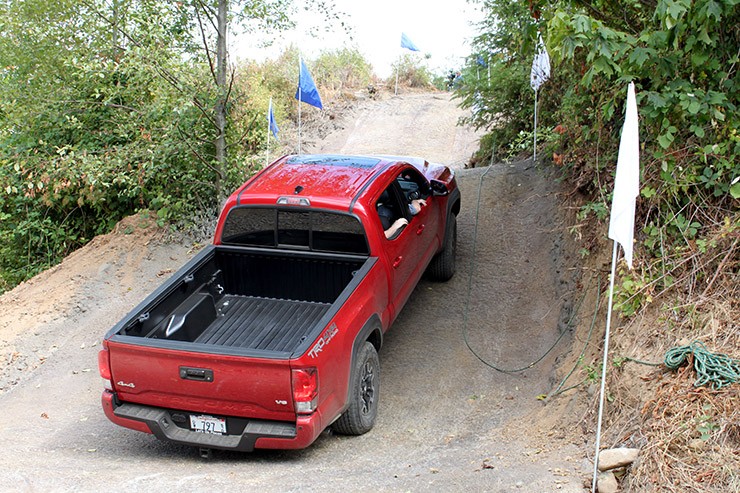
682 57
344 68
92 130
97 123
412 72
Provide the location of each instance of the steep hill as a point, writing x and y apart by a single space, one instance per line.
447 419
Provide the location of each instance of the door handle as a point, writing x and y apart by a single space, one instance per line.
397 262
420 229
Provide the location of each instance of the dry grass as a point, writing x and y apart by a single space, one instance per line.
689 436
692 438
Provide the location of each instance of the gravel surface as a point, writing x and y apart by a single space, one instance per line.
447 421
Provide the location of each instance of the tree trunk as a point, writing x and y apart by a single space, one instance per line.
221 61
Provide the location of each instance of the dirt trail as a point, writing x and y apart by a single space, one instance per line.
406 125
446 420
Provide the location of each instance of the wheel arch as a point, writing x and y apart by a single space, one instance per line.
453 203
370 332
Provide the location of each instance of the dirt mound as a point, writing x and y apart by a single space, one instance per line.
34 315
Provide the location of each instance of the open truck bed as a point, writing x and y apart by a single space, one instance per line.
262 323
252 301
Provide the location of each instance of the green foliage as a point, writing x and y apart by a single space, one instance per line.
108 109
682 57
503 102
344 68
524 141
630 295
597 208
506 95
412 72
705 424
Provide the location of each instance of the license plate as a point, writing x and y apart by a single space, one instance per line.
208 424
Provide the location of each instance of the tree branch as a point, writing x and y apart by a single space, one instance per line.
197 154
204 111
244 134
205 44
100 103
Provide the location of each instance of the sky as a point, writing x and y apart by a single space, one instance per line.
443 30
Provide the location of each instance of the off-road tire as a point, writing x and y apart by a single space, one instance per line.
359 417
442 266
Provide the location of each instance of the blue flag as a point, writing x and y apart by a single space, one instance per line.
481 61
307 91
271 121
407 43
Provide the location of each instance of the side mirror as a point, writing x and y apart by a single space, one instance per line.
439 188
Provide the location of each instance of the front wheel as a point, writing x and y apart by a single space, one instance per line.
359 418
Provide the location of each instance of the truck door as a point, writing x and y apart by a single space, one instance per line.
407 247
426 223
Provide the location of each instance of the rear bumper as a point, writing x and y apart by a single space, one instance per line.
256 434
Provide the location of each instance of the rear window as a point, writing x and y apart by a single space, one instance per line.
323 231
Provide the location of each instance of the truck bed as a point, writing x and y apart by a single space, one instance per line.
249 300
270 324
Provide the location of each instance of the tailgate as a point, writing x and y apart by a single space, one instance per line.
208 383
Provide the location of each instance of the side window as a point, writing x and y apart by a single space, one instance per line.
413 185
391 212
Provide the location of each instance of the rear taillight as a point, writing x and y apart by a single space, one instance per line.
104 368
305 390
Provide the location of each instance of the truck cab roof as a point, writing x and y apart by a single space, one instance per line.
332 180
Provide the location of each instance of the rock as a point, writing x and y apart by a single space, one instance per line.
617 457
697 444
607 483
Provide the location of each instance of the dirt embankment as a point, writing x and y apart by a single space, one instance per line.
447 419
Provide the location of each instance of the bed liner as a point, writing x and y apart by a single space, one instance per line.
252 322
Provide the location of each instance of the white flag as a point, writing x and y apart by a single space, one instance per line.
627 180
540 66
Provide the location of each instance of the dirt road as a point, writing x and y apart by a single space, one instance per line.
446 420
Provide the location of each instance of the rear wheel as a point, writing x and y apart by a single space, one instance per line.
442 266
359 418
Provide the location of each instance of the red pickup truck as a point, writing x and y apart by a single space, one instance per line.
271 334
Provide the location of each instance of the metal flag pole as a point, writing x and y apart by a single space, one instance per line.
621 230
603 370
300 96
535 124
269 131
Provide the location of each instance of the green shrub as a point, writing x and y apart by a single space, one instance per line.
411 72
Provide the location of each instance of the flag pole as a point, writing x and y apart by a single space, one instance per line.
621 230
299 104
603 370
267 149
535 124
